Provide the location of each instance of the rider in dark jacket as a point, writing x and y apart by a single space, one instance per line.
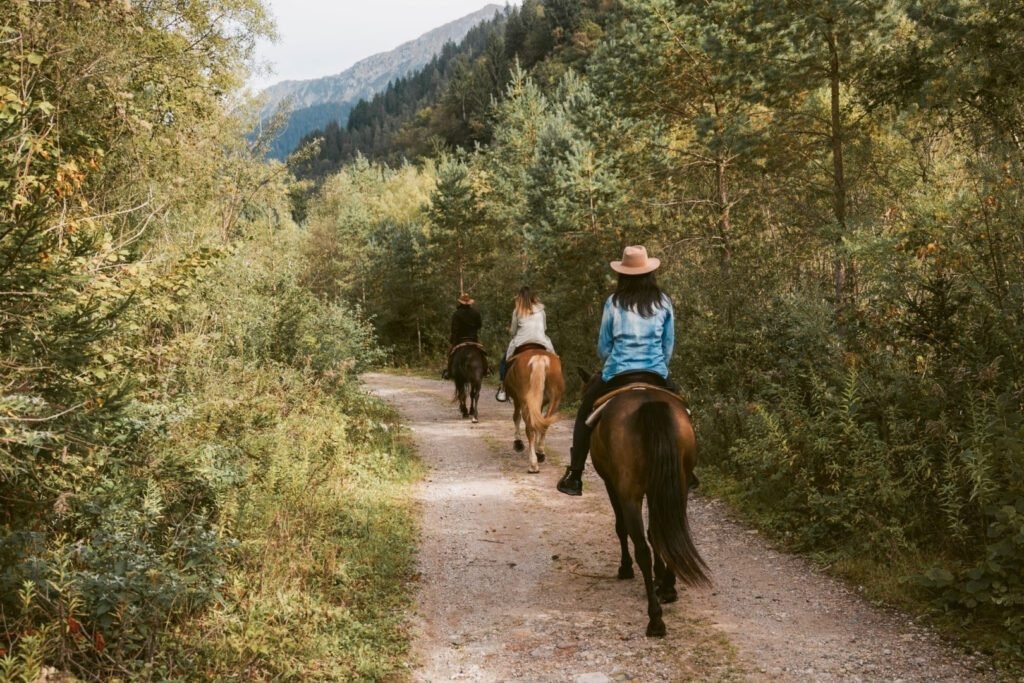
466 324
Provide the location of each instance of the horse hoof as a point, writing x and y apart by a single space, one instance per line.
656 629
518 445
540 456
625 573
533 470
475 420
666 598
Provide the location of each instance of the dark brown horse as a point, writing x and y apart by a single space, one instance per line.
469 365
644 446
534 378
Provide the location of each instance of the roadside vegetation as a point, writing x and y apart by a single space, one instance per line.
192 484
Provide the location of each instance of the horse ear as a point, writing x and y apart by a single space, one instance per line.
584 375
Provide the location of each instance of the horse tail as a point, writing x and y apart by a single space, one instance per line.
666 494
554 387
535 394
458 378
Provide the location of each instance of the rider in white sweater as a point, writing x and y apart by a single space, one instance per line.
529 326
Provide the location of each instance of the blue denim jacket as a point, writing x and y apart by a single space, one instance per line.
629 342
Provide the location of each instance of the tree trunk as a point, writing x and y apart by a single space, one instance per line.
840 267
724 226
458 255
724 219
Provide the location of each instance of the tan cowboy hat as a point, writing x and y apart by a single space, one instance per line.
635 262
466 299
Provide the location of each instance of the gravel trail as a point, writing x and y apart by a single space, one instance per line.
517 581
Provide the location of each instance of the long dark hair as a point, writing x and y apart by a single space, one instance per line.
639 293
526 299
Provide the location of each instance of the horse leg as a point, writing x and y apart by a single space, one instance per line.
625 561
517 416
540 445
635 526
461 390
474 396
664 577
531 442
667 586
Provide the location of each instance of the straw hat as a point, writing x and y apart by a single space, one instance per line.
465 299
635 262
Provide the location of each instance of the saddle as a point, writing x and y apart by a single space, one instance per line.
523 348
601 403
460 345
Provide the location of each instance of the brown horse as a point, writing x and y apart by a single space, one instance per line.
534 378
644 445
469 365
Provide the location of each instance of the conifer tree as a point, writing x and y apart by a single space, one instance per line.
806 62
458 241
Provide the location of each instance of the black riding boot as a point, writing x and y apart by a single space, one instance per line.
571 483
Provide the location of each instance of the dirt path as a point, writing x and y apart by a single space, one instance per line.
517 581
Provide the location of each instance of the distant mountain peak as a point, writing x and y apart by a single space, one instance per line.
333 96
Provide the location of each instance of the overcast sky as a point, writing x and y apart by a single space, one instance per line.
322 37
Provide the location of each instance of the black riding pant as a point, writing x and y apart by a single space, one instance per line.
595 389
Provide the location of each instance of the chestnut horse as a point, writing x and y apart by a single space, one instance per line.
644 445
534 378
469 365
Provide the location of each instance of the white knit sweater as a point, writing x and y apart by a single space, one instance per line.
530 329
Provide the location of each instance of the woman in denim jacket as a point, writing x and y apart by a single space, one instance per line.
635 342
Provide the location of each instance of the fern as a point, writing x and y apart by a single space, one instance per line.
978 459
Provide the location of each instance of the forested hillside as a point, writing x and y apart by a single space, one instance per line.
312 104
836 197
447 103
191 485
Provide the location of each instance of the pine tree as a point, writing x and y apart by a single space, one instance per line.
806 63
458 241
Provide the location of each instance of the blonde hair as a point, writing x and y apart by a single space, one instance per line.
525 301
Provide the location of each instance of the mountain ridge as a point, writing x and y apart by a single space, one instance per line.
315 102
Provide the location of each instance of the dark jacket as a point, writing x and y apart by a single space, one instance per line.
466 324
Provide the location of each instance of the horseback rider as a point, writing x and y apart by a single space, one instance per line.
529 326
466 324
635 342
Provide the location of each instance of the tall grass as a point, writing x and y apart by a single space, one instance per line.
318 589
